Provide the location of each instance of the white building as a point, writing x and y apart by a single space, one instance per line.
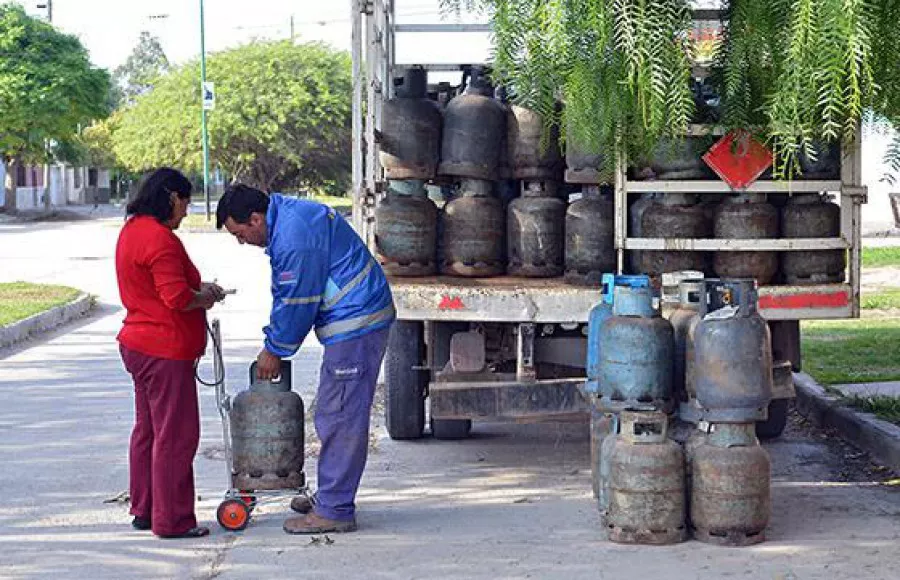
67 186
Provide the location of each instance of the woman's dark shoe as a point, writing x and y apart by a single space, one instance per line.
197 532
142 524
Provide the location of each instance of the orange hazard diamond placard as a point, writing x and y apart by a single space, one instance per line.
738 159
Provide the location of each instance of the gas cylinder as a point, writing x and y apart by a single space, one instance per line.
409 140
645 485
745 217
684 320
503 170
531 155
730 487
598 316
636 353
826 164
406 230
535 233
635 225
678 159
473 131
674 215
473 231
603 425
732 362
811 215
582 166
267 434
589 238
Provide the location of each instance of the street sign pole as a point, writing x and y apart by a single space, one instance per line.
203 114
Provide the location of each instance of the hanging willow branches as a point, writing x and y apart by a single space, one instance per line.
799 73
622 67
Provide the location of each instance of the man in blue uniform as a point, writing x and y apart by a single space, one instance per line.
323 276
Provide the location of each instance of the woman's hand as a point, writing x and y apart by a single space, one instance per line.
205 298
217 292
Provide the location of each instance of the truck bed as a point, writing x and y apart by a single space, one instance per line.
515 299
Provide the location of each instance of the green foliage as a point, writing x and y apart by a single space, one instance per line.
887 299
797 73
851 351
19 300
144 66
884 407
881 257
47 86
282 118
622 67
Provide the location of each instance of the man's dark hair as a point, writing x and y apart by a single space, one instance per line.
154 193
238 202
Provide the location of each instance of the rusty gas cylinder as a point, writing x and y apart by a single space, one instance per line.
636 357
635 226
582 164
645 482
674 215
590 250
730 487
406 230
732 347
472 232
684 320
532 155
603 426
473 131
812 215
267 434
535 229
410 136
746 217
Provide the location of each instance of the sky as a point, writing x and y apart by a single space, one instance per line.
109 29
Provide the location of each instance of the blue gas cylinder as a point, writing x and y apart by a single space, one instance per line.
637 353
599 313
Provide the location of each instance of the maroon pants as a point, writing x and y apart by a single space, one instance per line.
164 441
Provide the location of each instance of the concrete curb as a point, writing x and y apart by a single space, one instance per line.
24 329
864 430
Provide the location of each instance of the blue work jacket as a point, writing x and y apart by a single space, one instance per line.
322 275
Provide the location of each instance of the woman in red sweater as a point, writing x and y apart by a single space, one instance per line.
163 336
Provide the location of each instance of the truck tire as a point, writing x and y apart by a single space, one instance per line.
404 410
775 424
449 429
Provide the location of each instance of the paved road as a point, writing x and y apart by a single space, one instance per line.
514 501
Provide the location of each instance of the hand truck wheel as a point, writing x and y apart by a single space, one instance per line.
233 515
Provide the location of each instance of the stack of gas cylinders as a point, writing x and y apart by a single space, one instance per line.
496 169
710 364
745 216
497 174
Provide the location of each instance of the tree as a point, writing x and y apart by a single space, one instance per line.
144 66
282 118
48 88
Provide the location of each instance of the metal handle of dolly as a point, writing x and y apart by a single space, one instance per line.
223 401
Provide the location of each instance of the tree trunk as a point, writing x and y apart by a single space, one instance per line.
10 185
47 187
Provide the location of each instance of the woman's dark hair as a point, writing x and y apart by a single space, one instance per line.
238 202
155 190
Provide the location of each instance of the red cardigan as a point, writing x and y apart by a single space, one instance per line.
156 281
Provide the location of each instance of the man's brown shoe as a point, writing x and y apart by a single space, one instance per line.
302 504
316 524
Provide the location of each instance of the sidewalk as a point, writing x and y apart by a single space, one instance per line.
865 431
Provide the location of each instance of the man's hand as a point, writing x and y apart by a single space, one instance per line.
268 366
